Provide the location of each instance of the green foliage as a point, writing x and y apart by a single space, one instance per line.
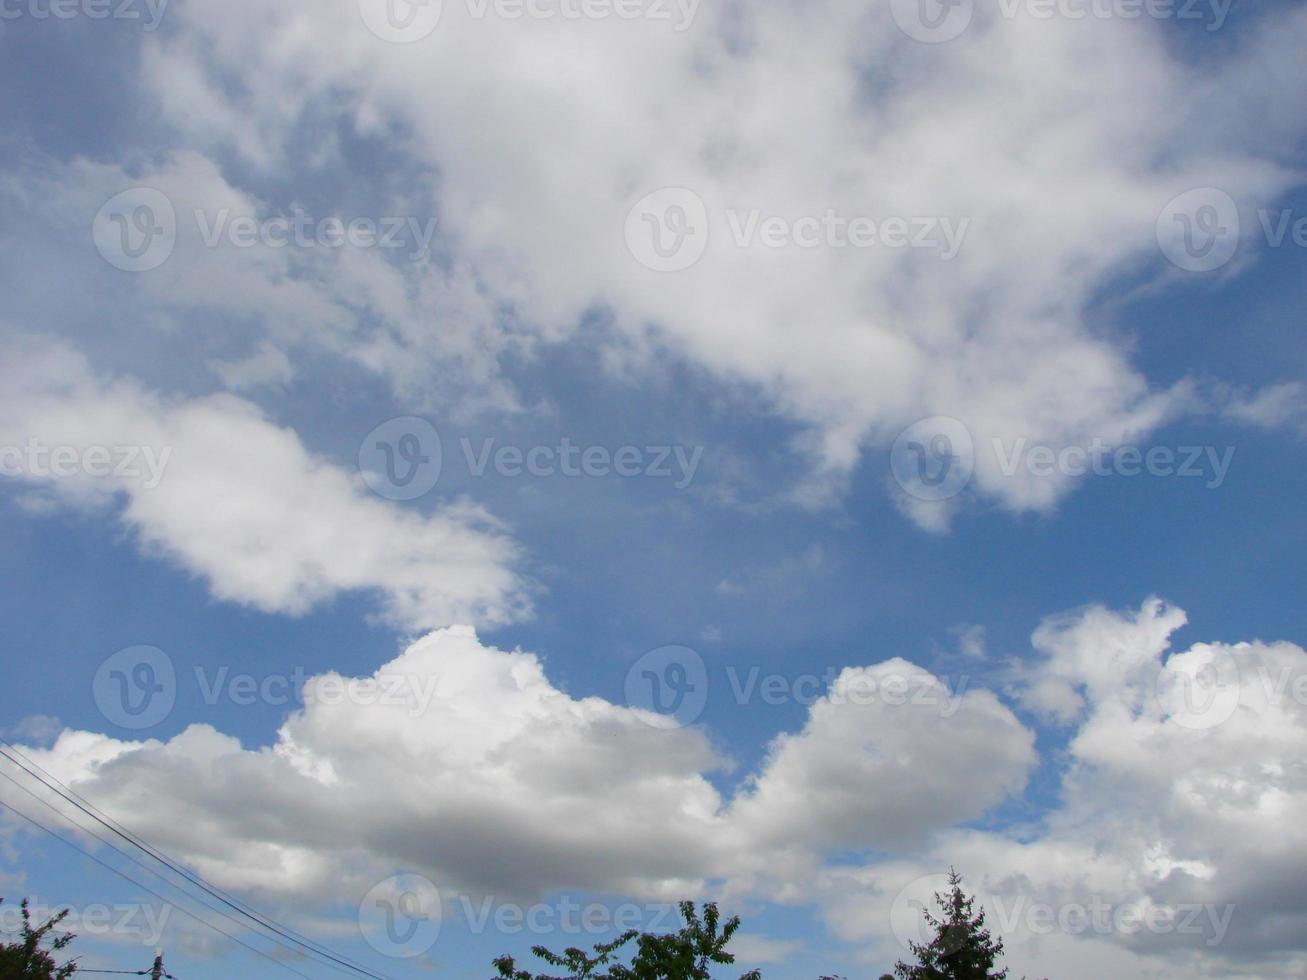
574 960
962 948
26 960
683 955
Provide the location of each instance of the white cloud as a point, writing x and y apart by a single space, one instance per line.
376 295
240 502
464 763
490 780
1181 791
749 948
792 111
267 366
1270 408
479 773
871 768
788 576
971 641
40 729
1097 654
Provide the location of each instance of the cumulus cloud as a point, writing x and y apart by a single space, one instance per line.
463 762
1095 654
454 759
215 486
1175 844
888 756
1174 839
777 110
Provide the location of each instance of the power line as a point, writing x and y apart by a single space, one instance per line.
54 785
134 973
90 833
135 840
126 877
200 900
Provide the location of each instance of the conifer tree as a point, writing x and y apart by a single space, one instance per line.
962 948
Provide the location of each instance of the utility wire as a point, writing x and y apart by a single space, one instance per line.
55 786
91 833
121 874
90 810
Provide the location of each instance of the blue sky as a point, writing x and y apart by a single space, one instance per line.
1049 620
